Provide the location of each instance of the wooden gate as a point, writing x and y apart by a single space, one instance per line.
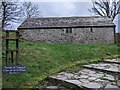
9 53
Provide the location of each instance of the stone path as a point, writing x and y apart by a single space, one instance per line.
102 76
108 67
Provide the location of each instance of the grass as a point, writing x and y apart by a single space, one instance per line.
43 59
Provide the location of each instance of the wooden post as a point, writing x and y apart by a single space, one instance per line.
7 46
114 35
17 47
12 57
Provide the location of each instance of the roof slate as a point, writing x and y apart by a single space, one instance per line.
51 22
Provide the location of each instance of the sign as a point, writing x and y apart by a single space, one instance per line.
13 69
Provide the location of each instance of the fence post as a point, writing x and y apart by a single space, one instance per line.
7 46
17 47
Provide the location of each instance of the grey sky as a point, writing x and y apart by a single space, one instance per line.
65 9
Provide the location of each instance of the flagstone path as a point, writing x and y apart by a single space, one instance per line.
101 76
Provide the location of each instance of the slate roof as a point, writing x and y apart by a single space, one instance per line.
59 22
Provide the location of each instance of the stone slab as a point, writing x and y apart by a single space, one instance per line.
91 85
76 82
117 61
108 67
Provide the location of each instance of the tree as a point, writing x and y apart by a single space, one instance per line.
109 8
30 10
16 12
0 11
10 13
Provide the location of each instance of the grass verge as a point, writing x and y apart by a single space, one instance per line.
43 60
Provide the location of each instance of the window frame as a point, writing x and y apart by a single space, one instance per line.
68 30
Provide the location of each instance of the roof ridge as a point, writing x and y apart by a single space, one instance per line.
72 17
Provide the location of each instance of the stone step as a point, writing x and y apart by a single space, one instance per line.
117 61
87 79
106 67
55 88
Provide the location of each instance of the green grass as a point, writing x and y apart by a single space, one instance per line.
43 60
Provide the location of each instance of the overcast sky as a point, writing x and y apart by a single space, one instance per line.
65 9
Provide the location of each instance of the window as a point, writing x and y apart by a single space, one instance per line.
68 30
91 30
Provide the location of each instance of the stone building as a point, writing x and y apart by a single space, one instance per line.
94 29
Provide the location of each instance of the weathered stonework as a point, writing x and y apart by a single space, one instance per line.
98 35
87 30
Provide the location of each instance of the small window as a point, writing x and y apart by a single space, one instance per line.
91 30
68 30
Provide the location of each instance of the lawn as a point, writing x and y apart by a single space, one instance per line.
43 59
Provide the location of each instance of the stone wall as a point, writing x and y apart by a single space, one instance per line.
78 35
